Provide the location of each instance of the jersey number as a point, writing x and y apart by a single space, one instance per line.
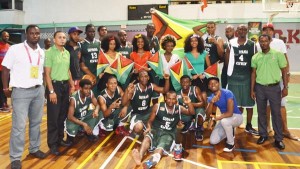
241 58
144 103
83 113
94 55
167 125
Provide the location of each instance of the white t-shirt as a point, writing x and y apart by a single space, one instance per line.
276 44
167 65
17 61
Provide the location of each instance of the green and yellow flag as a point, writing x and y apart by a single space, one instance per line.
122 68
179 28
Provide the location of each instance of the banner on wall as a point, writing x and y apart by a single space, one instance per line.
254 30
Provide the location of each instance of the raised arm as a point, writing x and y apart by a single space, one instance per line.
197 29
164 24
164 89
128 94
190 110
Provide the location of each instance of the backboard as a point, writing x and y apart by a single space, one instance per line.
281 6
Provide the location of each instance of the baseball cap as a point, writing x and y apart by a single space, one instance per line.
268 25
74 29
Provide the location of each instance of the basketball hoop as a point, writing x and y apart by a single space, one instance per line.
289 4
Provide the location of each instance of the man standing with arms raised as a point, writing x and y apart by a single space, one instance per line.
24 63
213 43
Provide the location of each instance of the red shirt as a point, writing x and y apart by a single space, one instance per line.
140 61
3 49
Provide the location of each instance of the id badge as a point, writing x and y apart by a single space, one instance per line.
34 72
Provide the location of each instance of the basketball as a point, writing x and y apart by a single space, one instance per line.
89 77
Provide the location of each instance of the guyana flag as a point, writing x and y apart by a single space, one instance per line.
102 62
122 68
155 62
180 28
176 71
212 70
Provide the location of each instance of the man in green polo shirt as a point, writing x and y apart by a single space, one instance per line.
58 79
266 68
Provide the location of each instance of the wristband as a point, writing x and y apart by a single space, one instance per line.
6 89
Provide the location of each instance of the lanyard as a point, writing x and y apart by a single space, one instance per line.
28 54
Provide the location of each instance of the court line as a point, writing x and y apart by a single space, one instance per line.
186 160
113 153
236 149
5 118
256 166
96 150
296 97
260 163
289 153
126 154
199 146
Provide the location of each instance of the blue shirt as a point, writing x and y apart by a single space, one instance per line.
222 102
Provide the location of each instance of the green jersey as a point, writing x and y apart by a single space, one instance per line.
192 95
140 101
82 106
165 120
108 99
89 54
239 67
126 50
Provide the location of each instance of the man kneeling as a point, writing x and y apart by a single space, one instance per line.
230 117
82 113
161 128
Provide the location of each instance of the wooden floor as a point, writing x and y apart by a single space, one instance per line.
113 151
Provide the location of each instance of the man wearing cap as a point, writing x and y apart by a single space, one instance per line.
279 45
230 117
74 49
265 77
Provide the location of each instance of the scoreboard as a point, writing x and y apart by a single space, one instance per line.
141 12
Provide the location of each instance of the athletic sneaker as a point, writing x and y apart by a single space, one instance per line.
120 130
186 127
177 153
149 163
199 134
251 130
228 148
92 138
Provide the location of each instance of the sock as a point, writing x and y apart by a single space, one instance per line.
156 157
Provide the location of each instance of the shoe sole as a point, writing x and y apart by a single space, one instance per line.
252 133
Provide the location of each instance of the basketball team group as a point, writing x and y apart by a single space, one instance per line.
85 102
